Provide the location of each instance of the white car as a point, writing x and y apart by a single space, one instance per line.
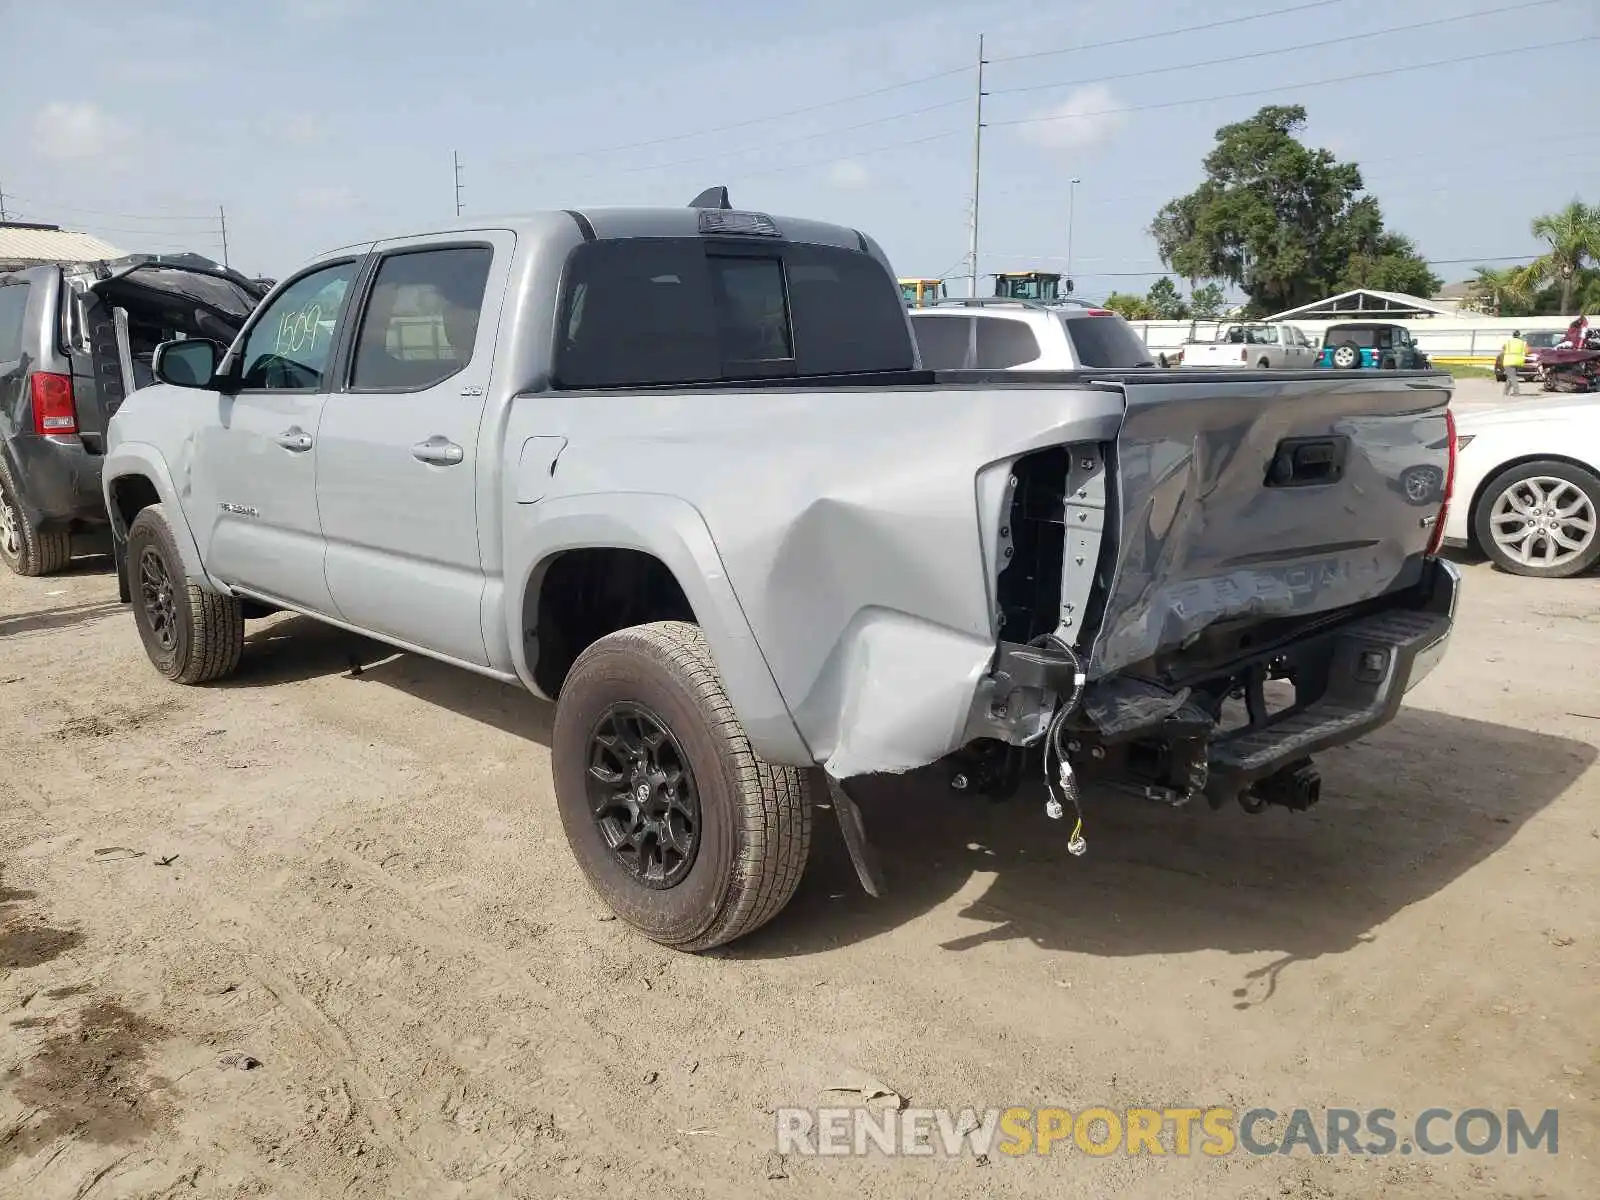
1527 486
1021 335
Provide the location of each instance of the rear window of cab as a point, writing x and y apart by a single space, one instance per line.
652 311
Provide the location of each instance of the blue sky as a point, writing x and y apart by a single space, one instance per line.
319 122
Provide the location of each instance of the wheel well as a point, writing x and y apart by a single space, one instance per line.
583 595
1490 476
131 494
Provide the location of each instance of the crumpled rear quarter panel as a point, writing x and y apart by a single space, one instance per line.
848 522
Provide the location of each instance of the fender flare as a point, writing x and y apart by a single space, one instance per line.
142 459
673 531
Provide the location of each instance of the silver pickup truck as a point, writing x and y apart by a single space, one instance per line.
679 471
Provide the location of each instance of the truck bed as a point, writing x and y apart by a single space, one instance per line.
920 518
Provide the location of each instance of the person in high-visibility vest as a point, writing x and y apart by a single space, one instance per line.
1512 357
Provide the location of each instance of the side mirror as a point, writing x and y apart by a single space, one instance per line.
190 363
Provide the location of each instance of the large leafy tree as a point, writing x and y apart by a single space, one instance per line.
1573 235
1283 221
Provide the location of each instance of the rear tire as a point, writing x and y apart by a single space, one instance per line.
191 635
1566 499
714 845
1264 364
28 551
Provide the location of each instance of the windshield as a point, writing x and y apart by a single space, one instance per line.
1544 339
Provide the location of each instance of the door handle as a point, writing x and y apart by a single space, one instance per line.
295 439
439 451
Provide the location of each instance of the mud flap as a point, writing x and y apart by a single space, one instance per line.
119 556
862 854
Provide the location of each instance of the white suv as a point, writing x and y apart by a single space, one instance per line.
1018 335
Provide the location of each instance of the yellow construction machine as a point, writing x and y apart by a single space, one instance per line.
922 293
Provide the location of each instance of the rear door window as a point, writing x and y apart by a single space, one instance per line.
848 317
1004 342
13 307
421 320
643 311
1107 342
943 341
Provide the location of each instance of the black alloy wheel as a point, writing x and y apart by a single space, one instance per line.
643 795
156 598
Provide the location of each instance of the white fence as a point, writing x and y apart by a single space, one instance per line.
1447 337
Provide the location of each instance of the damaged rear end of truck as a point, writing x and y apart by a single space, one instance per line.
1246 575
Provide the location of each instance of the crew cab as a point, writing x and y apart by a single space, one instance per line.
680 471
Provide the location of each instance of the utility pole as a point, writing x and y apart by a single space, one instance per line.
1072 195
3 216
222 219
977 173
455 157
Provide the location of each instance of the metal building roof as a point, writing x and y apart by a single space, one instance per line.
24 244
1365 302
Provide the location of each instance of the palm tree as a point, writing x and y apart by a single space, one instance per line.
1507 290
1573 235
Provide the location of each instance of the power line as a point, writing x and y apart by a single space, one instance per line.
745 124
1379 190
1166 33
37 203
1275 51
1289 87
833 158
793 141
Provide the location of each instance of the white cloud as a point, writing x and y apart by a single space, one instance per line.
300 129
66 130
1089 117
325 199
847 173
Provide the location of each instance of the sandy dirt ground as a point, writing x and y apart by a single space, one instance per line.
314 933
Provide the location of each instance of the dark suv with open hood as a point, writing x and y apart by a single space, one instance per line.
75 339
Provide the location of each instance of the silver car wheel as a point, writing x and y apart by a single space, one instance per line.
10 529
1542 521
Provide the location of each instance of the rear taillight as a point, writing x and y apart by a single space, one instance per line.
1437 540
1244 356
53 410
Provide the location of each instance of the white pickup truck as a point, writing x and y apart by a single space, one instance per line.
1280 347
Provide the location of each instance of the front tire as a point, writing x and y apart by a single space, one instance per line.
1541 519
25 550
679 826
191 635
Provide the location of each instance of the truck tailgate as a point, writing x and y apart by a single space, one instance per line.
1216 354
1286 497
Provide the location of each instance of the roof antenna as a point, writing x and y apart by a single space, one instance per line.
713 197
